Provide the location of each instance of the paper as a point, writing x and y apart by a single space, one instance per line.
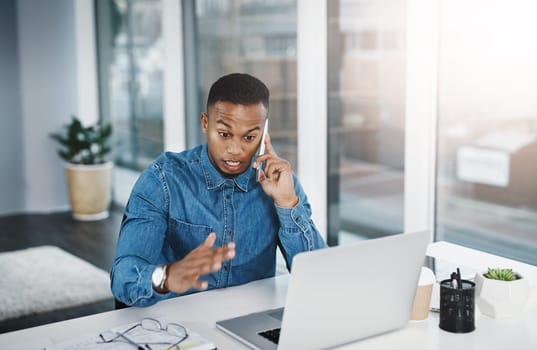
143 338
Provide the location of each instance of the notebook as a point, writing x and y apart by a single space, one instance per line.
340 295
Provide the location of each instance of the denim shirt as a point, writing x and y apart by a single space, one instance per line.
181 198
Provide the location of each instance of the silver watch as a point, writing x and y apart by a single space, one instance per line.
158 278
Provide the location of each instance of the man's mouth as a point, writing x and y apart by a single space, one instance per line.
232 164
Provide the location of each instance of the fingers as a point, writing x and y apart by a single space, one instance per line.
275 167
204 260
184 274
209 241
268 146
211 257
269 152
277 176
273 164
201 285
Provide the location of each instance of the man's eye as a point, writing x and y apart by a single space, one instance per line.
223 134
250 137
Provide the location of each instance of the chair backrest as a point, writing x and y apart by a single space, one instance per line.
119 305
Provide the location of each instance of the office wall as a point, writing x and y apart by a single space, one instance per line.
48 96
11 163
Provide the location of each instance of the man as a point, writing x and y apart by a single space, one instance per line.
185 203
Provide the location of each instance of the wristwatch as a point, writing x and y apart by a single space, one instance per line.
158 278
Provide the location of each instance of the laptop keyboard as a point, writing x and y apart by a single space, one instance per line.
272 334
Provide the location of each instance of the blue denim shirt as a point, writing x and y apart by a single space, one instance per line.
181 198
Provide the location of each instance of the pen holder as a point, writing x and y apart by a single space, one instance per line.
457 306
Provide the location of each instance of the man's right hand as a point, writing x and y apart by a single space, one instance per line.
184 274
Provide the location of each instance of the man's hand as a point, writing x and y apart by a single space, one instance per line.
277 178
184 274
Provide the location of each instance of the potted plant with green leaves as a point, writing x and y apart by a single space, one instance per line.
88 170
501 292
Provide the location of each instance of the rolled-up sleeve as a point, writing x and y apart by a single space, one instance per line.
140 241
297 232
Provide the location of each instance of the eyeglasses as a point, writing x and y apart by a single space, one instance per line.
138 337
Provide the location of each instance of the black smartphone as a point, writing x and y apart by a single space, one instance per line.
261 149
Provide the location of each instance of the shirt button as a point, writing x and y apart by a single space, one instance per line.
226 267
228 196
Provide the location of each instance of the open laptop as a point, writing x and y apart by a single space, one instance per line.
339 295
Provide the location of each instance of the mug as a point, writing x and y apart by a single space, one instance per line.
422 300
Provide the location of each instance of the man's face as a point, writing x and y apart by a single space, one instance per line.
233 134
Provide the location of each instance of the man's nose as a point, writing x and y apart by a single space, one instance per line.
233 147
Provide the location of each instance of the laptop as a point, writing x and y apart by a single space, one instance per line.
339 295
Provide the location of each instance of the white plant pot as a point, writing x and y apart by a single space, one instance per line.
501 299
90 190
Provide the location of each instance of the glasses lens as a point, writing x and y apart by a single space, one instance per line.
151 324
176 329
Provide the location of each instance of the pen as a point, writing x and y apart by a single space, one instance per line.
459 282
454 280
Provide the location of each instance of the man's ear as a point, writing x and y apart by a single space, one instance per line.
204 119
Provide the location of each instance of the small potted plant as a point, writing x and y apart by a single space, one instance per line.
89 172
501 292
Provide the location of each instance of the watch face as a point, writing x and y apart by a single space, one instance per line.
157 276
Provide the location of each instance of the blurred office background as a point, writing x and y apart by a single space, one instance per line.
428 115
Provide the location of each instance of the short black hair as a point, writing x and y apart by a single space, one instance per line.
238 88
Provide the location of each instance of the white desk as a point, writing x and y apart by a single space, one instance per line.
200 312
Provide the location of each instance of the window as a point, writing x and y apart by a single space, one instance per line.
366 117
487 127
130 77
255 37
480 101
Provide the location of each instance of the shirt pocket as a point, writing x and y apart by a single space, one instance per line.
184 236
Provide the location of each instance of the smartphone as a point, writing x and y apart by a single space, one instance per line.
261 149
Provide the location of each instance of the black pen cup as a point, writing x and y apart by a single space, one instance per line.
457 306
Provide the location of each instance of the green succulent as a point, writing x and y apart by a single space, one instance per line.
500 274
83 145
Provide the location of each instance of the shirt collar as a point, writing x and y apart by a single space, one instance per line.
215 179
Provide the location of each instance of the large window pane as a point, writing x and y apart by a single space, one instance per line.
255 37
487 151
366 105
130 74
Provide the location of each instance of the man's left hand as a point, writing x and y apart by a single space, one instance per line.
277 178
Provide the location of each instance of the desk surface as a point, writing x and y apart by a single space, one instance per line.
200 312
